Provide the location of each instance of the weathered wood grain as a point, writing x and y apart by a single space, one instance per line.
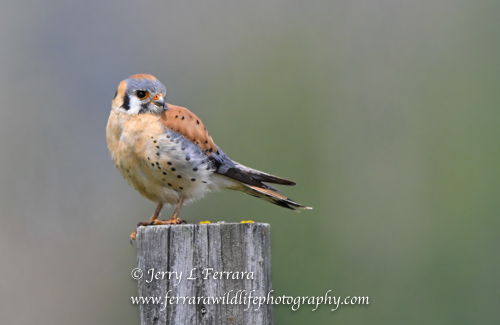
223 247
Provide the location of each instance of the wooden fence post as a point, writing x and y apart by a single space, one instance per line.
226 261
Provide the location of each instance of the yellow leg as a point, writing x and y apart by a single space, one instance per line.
174 220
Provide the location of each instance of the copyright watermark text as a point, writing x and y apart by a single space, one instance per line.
247 298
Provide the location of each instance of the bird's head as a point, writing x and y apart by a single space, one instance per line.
141 93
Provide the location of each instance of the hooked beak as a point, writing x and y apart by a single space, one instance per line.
159 100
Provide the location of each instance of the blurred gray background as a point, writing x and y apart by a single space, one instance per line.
386 113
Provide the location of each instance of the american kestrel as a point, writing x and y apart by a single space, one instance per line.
166 153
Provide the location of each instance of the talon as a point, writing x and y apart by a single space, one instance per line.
154 221
132 236
175 221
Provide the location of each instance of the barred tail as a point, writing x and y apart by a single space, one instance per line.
274 198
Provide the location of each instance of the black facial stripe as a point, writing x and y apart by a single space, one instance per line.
126 102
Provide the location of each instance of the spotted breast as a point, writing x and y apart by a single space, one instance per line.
159 162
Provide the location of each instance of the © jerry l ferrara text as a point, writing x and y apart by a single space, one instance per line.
206 274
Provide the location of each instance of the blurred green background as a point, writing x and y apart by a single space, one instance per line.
386 113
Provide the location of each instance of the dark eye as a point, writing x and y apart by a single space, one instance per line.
141 94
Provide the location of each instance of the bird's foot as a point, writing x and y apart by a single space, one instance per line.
134 234
173 221
156 222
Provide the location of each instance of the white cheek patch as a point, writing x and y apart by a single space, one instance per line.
134 104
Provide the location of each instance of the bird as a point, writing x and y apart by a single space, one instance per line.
166 153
